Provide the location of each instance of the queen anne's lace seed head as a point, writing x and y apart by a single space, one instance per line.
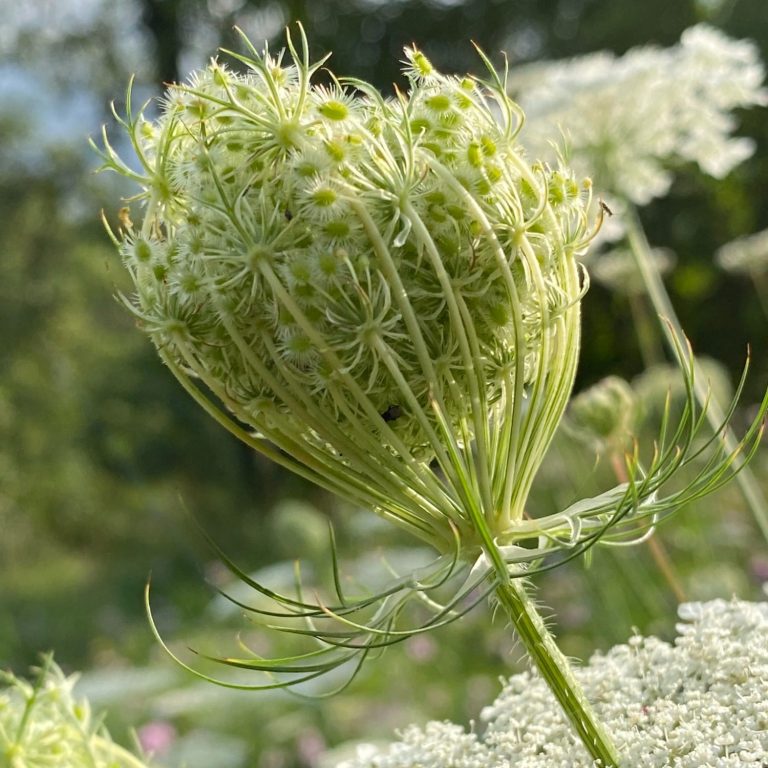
382 295
630 118
368 284
700 702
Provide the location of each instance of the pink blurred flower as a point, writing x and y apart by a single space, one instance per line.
156 736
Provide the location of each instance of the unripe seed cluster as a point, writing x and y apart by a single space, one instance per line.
318 255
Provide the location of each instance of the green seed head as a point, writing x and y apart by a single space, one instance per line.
383 295
370 285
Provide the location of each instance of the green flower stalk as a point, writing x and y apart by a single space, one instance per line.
383 296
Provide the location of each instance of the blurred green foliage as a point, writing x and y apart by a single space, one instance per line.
103 459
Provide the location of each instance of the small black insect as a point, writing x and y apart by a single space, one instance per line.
288 215
392 413
605 208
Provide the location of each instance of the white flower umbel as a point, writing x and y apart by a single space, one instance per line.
748 255
617 270
630 119
42 725
702 701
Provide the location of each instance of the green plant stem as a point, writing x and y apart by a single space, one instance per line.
556 670
760 281
673 333
651 350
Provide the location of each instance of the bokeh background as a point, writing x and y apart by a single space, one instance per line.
105 464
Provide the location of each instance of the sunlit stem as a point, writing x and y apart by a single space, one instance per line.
760 281
675 338
556 670
645 327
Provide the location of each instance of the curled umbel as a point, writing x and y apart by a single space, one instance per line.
381 293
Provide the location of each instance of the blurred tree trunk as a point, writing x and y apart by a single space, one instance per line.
296 10
162 20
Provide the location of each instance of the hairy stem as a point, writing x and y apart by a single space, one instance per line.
675 337
556 671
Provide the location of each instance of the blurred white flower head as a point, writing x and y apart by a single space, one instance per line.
604 415
746 254
629 119
617 270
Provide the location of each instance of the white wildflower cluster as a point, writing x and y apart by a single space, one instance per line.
630 118
617 269
700 702
42 725
746 254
